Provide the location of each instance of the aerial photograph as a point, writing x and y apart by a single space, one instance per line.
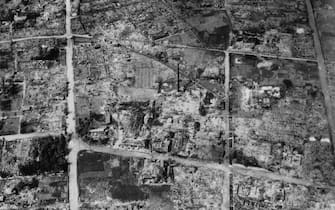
167 104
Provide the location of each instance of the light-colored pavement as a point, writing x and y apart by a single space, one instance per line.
32 38
71 120
28 136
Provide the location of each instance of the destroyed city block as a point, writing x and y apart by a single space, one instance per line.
167 104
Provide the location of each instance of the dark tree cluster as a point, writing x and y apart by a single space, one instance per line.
11 89
49 156
24 184
239 157
319 162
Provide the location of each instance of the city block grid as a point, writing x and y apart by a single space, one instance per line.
152 104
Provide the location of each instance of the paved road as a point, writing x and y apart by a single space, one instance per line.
28 136
71 121
269 56
235 168
32 38
322 70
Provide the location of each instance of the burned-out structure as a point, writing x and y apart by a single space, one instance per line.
25 18
34 172
33 87
146 183
167 104
166 101
278 116
193 23
253 193
272 28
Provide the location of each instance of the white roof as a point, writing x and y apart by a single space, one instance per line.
97 130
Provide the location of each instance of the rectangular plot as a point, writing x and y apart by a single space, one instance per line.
32 18
190 23
279 118
265 194
150 18
28 156
33 85
272 27
142 103
325 19
121 182
46 192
